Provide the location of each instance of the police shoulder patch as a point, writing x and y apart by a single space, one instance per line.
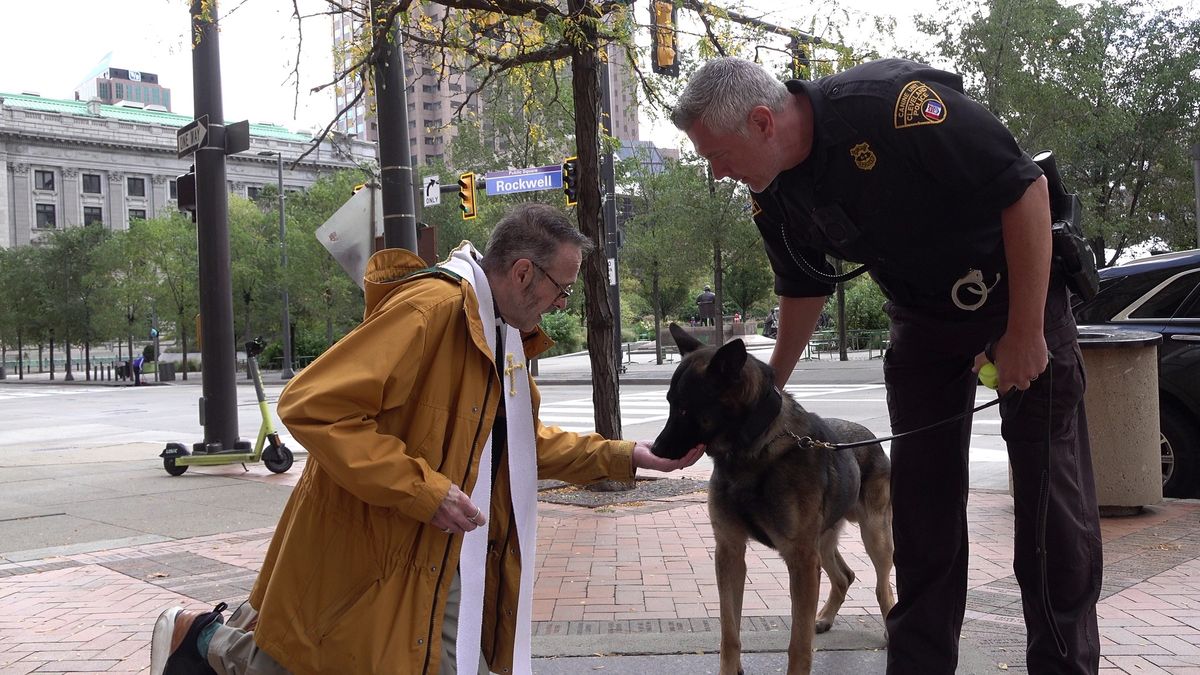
918 105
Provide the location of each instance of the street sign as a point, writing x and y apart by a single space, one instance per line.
433 190
525 180
191 137
237 137
349 234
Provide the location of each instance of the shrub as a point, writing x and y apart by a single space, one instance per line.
564 329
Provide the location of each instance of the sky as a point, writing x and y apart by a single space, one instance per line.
49 48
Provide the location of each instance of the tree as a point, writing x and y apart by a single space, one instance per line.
1110 87
71 287
176 263
750 281
125 280
25 308
324 299
254 265
660 251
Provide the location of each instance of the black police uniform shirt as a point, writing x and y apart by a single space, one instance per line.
907 175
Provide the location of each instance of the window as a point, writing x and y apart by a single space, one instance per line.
1164 303
253 192
91 183
136 187
137 214
45 216
93 214
43 180
173 188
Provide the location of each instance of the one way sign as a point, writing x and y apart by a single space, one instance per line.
191 137
433 190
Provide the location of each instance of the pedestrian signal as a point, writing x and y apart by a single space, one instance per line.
664 57
570 180
466 195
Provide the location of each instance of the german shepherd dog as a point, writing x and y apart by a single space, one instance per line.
766 486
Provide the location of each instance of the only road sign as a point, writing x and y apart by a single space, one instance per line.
432 187
191 137
524 180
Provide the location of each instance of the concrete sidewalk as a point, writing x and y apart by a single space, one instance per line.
624 588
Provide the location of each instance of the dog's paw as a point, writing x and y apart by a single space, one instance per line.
823 625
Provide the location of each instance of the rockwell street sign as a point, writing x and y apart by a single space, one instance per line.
525 180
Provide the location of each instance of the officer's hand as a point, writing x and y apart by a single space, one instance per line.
456 514
1019 360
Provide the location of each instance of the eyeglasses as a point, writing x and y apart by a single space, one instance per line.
564 292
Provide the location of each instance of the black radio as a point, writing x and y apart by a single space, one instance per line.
1072 254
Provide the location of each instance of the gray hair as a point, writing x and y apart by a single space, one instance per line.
532 231
722 93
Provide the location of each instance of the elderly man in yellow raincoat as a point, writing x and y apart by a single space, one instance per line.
407 545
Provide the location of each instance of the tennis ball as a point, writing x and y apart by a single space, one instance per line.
988 376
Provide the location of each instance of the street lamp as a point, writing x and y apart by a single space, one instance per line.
287 321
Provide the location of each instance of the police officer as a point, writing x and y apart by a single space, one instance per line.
889 164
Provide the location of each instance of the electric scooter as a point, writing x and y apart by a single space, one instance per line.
275 455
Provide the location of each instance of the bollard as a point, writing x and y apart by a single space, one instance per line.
1122 410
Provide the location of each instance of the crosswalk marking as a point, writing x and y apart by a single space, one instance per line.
644 406
39 391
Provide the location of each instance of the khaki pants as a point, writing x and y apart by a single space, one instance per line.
450 632
233 651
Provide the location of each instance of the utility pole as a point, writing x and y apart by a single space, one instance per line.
608 183
395 158
218 405
287 372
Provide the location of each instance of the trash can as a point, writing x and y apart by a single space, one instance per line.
1122 413
166 371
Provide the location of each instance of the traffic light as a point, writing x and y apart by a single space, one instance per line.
185 191
466 195
570 180
664 57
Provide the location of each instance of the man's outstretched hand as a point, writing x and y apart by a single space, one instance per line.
644 459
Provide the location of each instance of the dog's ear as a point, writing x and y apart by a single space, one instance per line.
727 363
684 340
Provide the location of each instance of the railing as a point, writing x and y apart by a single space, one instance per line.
874 342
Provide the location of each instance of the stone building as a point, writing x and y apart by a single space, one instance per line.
65 163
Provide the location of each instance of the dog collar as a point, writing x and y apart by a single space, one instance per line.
765 410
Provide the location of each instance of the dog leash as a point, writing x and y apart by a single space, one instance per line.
809 443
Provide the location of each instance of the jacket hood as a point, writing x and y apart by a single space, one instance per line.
384 269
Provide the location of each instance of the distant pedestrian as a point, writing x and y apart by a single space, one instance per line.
707 302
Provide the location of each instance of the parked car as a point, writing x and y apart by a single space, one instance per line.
1161 293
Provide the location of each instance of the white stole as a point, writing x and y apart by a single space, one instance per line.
522 469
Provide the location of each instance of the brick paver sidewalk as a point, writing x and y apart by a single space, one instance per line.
624 570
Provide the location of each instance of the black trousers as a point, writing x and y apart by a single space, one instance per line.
929 378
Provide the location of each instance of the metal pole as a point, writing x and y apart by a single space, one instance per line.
395 158
1196 174
609 199
218 405
287 319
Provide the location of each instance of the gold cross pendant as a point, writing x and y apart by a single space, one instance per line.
512 376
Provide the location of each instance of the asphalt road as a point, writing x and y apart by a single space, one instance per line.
79 465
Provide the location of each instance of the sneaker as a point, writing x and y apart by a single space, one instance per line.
173 648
